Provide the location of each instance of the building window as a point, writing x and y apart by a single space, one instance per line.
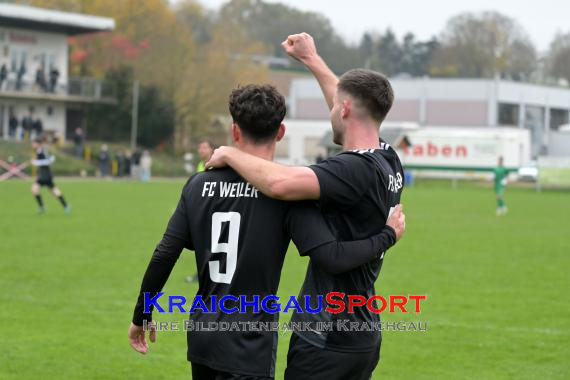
50 111
42 60
508 114
534 120
51 62
558 117
18 59
14 61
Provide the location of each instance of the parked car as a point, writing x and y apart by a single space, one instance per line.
528 172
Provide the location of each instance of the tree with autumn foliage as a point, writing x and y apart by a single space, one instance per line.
221 64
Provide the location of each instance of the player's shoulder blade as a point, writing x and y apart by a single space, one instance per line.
384 155
223 174
390 154
387 163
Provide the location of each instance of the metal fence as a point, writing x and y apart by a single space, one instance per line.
88 89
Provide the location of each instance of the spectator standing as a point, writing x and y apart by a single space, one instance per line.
128 161
104 160
53 77
136 164
12 125
37 128
146 165
120 157
41 78
78 141
27 125
20 77
3 75
205 151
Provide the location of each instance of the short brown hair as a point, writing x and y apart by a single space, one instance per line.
209 142
371 89
258 110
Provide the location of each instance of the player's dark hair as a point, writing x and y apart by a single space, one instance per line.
39 140
258 110
370 89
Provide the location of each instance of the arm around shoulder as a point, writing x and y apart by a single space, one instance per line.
293 183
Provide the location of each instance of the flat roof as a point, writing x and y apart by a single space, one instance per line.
449 89
24 17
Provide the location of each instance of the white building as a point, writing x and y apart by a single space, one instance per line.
462 103
34 59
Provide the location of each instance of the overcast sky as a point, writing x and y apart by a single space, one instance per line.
541 19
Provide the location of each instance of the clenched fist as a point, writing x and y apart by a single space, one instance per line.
300 46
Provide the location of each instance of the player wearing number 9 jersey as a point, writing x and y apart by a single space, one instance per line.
240 238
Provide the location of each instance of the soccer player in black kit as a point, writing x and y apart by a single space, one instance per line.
43 161
356 191
240 238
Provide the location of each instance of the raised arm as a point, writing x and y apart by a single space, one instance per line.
302 48
277 181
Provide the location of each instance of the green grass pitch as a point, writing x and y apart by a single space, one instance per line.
497 288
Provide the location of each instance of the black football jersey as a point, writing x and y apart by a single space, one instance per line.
44 171
240 238
358 190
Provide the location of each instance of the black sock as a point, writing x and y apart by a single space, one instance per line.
62 201
39 200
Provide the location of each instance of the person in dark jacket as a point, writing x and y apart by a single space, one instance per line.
104 160
12 125
27 125
3 75
20 77
37 127
78 140
53 77
41 79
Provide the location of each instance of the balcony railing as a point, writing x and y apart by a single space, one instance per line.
77 88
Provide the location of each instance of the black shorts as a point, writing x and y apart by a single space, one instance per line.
202 372
305 361
46 182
